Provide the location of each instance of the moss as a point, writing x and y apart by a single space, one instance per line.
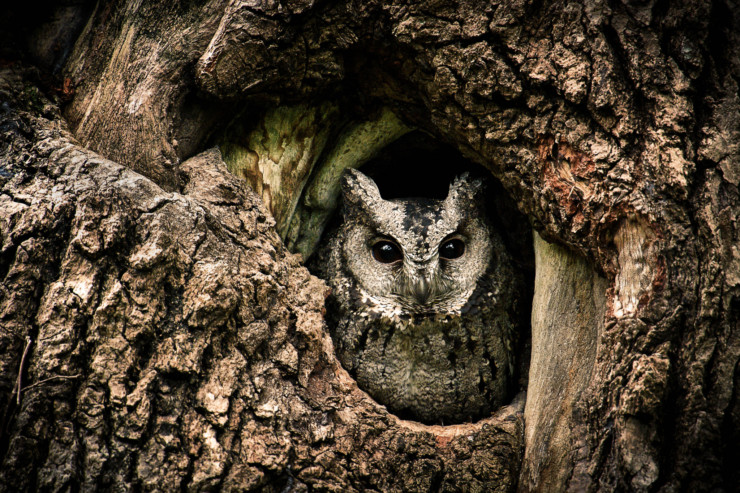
33 99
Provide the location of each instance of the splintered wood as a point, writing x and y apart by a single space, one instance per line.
635 243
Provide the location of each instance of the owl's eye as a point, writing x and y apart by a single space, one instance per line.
452 249
386 252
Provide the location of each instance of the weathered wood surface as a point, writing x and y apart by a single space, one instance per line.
287 161
567 325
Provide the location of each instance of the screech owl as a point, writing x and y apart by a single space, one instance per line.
424 303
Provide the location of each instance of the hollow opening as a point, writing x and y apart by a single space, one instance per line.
419 166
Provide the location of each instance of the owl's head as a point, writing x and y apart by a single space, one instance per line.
416 255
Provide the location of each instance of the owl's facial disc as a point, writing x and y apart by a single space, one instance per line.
416 275
415 255
418 278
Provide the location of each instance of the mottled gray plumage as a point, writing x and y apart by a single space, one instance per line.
423 328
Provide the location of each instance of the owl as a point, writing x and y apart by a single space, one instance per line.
424 301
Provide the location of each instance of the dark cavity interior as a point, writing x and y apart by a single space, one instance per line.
417 165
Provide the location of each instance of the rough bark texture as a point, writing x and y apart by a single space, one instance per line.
169 341
614 125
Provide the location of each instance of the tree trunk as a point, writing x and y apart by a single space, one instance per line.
157 334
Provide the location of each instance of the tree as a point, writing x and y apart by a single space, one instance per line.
157 334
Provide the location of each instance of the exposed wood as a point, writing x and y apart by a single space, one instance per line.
567 323
286 160
133 99
277 157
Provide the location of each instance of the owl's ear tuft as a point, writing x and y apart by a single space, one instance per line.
359 191
466 192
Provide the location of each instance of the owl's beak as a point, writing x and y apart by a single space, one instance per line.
418 282
421 289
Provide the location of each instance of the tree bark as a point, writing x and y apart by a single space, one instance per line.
167 341
156 333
